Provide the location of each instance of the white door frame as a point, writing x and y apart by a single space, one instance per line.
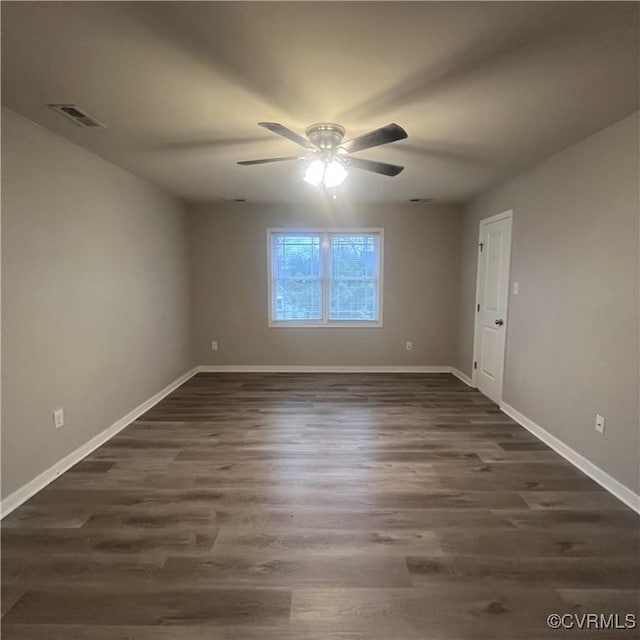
505 215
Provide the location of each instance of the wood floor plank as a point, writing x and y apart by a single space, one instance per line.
262 506
554 573
31 517
583 501
618 521
368 520
71 569
509 470
307 570
258 542
103 606
88 541
540 543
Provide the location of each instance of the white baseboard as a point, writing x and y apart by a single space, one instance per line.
18 497
458 374
614 487
275 368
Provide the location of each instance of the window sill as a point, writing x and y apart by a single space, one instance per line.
325 325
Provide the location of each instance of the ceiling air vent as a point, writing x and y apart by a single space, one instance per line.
78 115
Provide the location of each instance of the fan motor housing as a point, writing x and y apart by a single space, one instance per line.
325 135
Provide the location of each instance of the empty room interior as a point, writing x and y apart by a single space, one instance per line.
320 320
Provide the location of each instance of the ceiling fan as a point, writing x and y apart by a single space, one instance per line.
328 157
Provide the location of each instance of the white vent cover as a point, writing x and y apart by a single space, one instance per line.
76 114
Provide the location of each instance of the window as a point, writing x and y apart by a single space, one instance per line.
325 278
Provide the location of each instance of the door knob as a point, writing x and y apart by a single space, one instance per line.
500 322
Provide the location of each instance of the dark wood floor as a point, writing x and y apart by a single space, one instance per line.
318 507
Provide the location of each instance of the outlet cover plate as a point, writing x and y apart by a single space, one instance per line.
58 418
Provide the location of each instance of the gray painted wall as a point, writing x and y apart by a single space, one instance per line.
229 279
95 296
572 335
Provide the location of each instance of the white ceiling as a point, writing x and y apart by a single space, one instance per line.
483 89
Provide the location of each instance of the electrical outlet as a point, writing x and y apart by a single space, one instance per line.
600 424
214 345
409 346
516 288
58 418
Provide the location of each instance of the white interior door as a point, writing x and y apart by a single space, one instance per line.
492 297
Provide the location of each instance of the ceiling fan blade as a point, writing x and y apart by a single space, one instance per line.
285 132
375 138
377 167
267 160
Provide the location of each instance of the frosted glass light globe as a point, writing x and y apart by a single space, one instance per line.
314 173
335 174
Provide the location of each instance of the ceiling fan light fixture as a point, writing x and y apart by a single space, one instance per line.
329 163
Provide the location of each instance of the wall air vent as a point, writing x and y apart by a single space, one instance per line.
78 115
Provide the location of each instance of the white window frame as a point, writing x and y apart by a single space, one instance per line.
325 322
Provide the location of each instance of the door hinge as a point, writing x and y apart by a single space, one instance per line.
481 245
475 364
478 307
